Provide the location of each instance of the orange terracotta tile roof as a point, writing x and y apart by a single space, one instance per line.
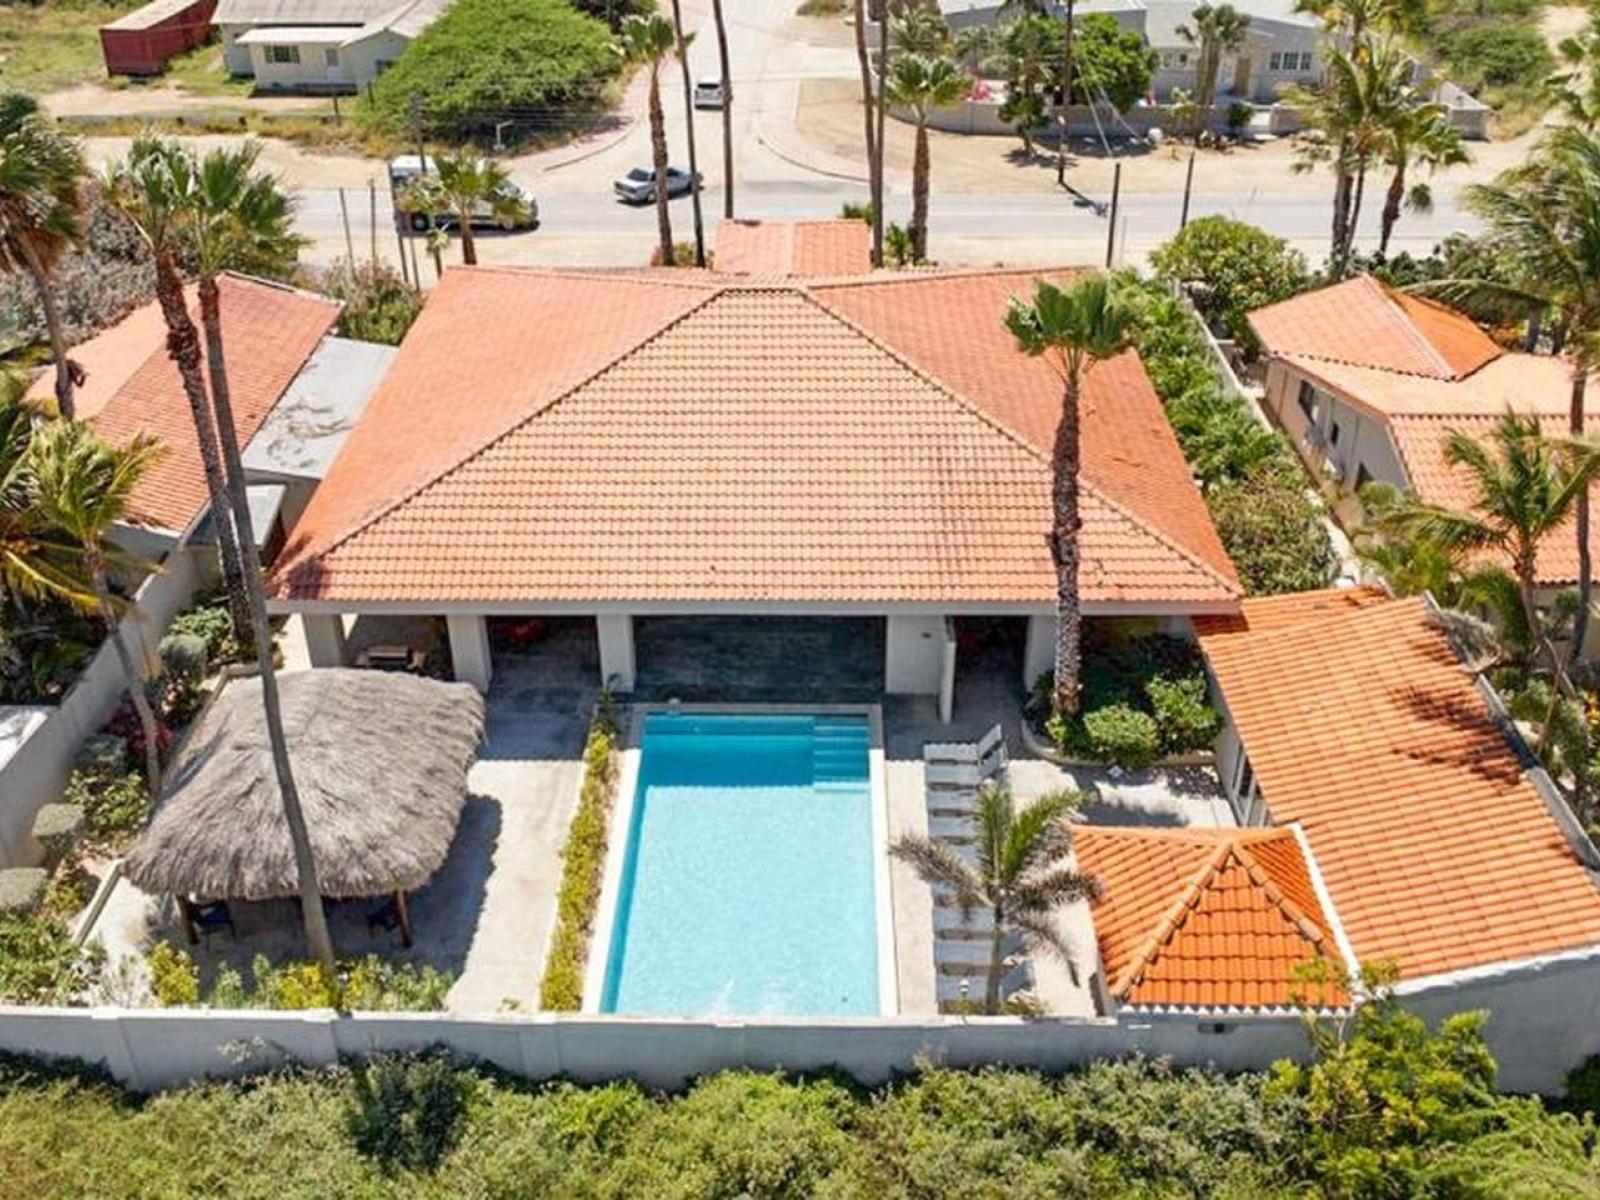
1206 918
1364 323
802 248
268 333
1361 725
1526 382
1421 443
107 359
584 437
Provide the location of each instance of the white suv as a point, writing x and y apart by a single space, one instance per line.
709 93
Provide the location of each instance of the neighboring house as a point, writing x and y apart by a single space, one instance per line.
141 42
811 249
1429 836
319 45
1368 382
1282 47
661 451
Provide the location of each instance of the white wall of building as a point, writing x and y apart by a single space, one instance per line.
367 59
618 663
914 655
469 649
311 66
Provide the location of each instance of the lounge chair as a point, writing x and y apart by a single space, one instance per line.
989 759
965 752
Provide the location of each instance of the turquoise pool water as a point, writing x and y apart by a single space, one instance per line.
747 886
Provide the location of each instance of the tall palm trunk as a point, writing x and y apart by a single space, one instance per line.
997 963
920 171
469 243
658 159
1066 96
1580 622
864 65
1353 222
316 926
1064 550
1392 200
52 325
879 110
183 346
132 670
727 108
688 126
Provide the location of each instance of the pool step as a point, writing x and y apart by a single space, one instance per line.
839 754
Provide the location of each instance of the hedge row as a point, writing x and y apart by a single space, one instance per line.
583 860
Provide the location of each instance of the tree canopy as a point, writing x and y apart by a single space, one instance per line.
538 63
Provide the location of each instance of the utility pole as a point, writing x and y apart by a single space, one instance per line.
1111 225
882 9
694 162
1188 186
1066 99
349 242
727 110
372 218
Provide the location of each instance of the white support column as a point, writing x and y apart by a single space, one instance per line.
616 650
1039 654
913 649
947 681
469 649
325 642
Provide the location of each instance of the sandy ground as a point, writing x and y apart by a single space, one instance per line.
159 98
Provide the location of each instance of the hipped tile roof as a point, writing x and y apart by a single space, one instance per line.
797 248
268 331
660 436
1361 725
1207 918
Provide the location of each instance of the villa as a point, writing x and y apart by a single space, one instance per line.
683 460
318 45
1368 382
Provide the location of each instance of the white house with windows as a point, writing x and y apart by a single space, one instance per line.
318 45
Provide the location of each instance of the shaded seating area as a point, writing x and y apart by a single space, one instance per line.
380 762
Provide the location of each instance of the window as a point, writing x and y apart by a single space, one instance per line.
1333 435
1304 63
1308 400
1174 58
288 55
1275 61
330 57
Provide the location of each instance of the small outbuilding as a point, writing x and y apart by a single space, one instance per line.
143 41
380 761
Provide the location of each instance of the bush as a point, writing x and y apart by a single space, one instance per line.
540 59
114 806
1498 54
1274 534
1121 734
184 659
1118 60
407 1112
369 984
583 858
379 305
174 979
40 963
1183 714
1230 268
210 621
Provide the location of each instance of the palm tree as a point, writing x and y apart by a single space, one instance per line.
1577 89
145 188
82 486
652 40
864 66
1028 44
1418 134
688 129
238 218
1073 327
1525 486
37 560
41 215
1545 217
464 184
923 84
924 31
1022 876
727 108
1216 30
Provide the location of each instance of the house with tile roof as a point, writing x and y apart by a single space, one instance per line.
633 448
1429 837
1368 382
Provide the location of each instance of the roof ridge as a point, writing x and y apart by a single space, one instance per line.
633 275
715 290
1171 920
1429 350
922 275
1263 878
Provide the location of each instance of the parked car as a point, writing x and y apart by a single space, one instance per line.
408 169
709 92
638 186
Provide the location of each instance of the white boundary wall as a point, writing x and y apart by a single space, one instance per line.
151 1049
36 773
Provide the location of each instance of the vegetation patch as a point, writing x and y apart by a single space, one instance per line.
583 860
41 963
1230 268
369 984
44 47
379 305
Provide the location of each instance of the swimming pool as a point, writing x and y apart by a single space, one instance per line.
748 884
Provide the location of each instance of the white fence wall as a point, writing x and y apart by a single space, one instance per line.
153 1049
36 773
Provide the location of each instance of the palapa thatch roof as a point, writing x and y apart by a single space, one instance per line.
380 761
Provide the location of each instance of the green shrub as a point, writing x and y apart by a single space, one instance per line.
1498 54
184 659
174 979
114 807
1121 734
1274 534
40 963
540 59
583 859
379 305
1231 267
1583 1085
208 620
407 1112
1183 713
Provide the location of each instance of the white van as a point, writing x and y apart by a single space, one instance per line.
709 92
407 169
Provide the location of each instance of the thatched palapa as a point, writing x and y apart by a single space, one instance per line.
380 761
